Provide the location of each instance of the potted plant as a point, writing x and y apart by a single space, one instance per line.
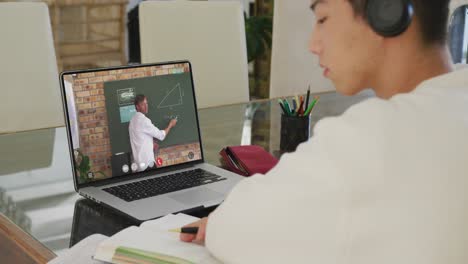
84 167
258 31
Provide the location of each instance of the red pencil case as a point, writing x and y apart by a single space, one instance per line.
247 160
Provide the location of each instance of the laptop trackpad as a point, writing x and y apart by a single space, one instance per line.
197 196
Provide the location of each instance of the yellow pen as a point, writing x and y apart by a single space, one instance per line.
185 230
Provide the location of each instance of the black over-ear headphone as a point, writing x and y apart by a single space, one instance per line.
389 18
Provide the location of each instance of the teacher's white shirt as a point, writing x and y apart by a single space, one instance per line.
142 131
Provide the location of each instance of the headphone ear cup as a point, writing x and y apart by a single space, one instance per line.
389 18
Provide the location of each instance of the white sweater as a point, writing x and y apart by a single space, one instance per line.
386 182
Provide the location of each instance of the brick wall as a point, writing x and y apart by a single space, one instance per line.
91 108
179 153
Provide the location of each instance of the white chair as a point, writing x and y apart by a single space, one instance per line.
211 35
293 67
28 69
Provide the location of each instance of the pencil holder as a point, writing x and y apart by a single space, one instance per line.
294 130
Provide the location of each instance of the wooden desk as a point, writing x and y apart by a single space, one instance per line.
19 247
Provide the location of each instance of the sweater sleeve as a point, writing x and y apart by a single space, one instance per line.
297 213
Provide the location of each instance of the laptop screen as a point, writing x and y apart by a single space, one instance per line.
123 121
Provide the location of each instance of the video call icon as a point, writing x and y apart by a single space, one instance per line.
134 167
159 162
125 168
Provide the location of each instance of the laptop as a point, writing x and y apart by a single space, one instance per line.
99 106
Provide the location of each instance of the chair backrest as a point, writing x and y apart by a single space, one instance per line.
20 247
28 69
211 35
293 67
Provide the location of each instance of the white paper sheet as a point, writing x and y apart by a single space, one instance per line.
170 221
81 253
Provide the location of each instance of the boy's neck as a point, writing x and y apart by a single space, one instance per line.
407 68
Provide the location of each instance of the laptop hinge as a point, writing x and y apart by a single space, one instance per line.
89 197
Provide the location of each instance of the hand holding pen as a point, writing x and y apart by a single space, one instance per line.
194 232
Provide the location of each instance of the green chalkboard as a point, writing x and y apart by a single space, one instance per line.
169 96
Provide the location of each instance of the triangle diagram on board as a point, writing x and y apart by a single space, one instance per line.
172 98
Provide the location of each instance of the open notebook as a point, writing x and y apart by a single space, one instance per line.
153 243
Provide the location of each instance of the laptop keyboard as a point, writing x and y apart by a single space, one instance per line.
161 185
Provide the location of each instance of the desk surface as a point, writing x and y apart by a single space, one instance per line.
36 187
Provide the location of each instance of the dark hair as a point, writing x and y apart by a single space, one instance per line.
431 14
139 98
